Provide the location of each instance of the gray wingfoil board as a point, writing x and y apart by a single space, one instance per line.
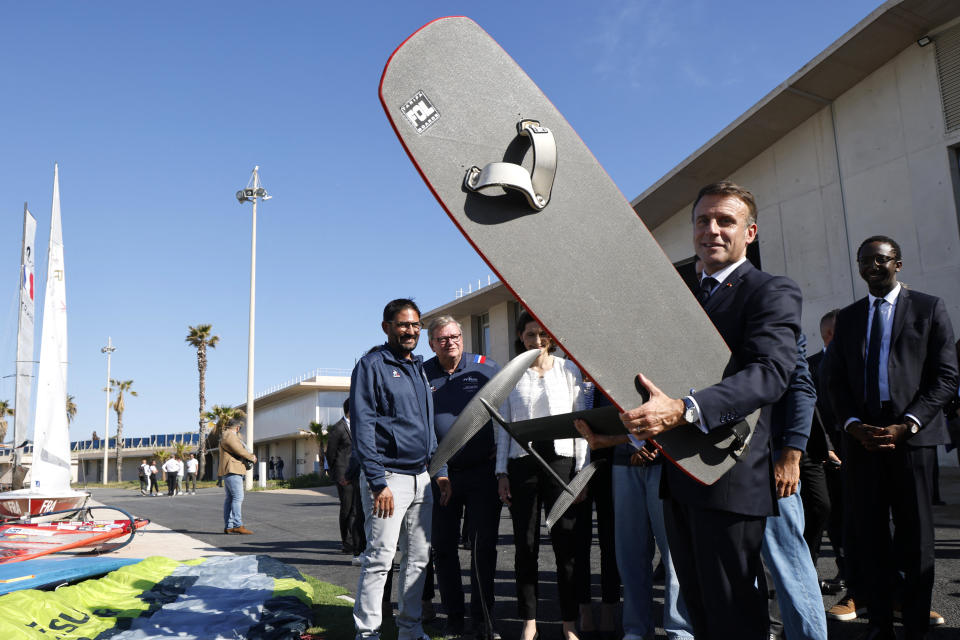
585 266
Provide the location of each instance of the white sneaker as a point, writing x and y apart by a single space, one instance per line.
357 561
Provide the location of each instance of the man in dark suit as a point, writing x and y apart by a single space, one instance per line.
339 447
716 531
891 369
819 466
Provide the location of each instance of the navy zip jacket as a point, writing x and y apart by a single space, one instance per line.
391 416
451 393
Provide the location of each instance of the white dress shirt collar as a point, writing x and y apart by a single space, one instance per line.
890 297
724 273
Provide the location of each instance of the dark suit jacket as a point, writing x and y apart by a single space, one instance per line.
339 446
824 429
758 315
921 368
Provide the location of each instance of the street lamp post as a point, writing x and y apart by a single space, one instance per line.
109 349
253 192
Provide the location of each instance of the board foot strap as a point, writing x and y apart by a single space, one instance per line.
535 185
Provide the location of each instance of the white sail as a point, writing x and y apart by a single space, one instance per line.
25 331
51 440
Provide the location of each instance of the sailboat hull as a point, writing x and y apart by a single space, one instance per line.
20 504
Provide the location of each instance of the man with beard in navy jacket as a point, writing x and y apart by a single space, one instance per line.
393 434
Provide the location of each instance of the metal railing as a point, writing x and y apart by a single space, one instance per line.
459 293
156 441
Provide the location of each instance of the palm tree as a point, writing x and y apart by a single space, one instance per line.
161 456
181 449
199 337
220 415
5 411
122 387
71 409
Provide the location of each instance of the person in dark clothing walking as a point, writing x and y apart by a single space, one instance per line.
339 449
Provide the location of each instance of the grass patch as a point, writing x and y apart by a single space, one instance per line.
333 616
134 485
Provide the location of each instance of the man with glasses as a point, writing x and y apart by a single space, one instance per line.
891 368
394 438
455 377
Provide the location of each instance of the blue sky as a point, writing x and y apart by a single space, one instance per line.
157 113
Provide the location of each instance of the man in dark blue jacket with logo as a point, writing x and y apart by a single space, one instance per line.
393 435
455 377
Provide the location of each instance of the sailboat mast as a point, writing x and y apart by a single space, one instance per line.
25 332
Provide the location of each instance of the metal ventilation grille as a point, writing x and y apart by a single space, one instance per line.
948 70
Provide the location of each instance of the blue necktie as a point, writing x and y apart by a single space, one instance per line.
706 288
873 359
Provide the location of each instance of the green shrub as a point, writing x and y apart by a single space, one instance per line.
306 480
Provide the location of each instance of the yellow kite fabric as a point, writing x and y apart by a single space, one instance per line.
220 597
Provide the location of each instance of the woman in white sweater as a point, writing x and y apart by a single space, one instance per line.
552 385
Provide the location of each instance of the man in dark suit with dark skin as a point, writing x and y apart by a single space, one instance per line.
715 532
891 369
339 447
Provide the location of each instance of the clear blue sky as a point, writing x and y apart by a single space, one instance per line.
157 113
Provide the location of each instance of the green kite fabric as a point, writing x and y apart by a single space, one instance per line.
219 597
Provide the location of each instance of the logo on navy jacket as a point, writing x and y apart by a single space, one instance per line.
471 383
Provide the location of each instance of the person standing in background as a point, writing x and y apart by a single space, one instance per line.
192 465
339 450
891 368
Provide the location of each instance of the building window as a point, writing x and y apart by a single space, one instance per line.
481 334
948 66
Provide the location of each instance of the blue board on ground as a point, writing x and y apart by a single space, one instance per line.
42 572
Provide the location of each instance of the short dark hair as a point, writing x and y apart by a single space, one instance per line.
396 306
526 318
727 188
829 316
887 239
346 406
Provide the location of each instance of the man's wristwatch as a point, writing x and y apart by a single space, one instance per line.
912 426
690 413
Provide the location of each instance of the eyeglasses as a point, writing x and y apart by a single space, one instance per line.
448 339
416 326
878 260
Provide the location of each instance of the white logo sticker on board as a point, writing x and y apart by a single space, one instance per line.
420 112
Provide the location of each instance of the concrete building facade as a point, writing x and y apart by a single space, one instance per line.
856 143
282 418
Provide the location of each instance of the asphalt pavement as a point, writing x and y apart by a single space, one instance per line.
300 527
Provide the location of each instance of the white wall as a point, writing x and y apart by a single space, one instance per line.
284 417
821 189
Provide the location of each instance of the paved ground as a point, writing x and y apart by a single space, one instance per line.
300 527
